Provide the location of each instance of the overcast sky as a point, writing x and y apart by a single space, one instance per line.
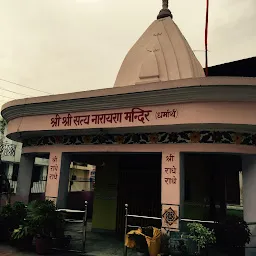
63 46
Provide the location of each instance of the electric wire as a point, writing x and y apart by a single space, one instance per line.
25 86
3 89
8 97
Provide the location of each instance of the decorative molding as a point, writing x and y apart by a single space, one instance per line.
170 216
196 93
219 137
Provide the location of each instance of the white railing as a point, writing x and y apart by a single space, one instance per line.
75 221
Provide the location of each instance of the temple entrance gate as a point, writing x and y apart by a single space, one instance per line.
120 178
139 186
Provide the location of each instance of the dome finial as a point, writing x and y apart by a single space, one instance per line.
165 12
165 4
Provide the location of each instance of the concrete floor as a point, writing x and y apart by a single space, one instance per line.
105 245
97 244
6 250
9 251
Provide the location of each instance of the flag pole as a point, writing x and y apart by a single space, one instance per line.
206 37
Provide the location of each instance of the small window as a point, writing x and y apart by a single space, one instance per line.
15 172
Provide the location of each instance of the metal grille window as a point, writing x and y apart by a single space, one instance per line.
8 149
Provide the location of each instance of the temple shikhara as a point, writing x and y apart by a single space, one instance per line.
166 140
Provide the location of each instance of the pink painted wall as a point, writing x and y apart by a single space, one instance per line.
189 113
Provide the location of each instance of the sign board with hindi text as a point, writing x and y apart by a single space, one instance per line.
117 118
52 185
141 116
171 177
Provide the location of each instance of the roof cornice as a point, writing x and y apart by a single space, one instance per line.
180 91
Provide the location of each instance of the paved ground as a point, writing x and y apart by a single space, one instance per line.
97 244
105 245
6 250
94 248
9 251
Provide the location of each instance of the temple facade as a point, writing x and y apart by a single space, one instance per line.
164 137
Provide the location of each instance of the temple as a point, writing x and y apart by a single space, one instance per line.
167 140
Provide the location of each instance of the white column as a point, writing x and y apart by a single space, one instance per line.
24 177
57 179
249 202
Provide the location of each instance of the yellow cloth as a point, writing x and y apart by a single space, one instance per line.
154 243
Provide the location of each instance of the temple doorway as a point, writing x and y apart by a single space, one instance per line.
139 186
120 178
212 186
